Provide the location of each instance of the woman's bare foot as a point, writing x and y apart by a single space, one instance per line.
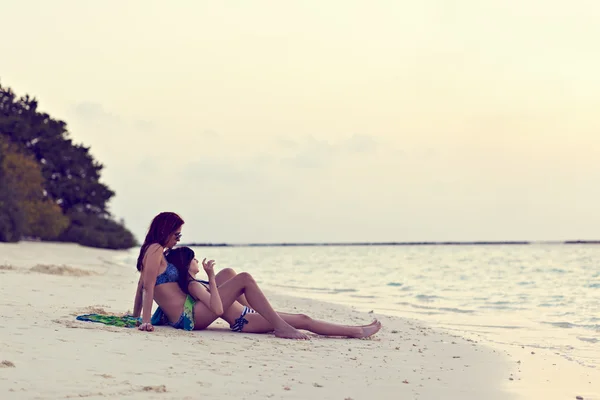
289 332
368 330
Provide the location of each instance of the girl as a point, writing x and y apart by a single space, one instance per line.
209 305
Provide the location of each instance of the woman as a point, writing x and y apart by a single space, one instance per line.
159 282
201 306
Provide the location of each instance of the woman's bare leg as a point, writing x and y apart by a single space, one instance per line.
226 274
243 283
258 324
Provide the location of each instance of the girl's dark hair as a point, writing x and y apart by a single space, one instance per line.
181 258
161 227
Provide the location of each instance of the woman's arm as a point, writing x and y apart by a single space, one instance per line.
137 303
151 265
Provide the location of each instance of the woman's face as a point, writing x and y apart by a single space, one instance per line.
194 267
174 238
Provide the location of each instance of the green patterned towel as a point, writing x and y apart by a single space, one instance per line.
113 320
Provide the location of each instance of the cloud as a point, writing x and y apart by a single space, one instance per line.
313 153
209 133
360 144
217 170
286 143
95 112
93 116
144 125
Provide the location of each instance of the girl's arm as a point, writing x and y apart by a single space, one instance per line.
211 299
216 305
151 264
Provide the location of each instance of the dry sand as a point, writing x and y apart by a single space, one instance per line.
46 354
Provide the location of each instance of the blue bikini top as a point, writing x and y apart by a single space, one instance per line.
171 274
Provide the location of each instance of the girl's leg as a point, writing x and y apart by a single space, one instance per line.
301 321
243 283
258 324
226 274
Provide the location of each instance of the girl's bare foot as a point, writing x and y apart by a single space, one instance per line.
372 323
368 330
290 332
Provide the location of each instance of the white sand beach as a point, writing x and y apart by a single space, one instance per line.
46 354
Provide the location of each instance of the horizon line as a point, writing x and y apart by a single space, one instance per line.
419 243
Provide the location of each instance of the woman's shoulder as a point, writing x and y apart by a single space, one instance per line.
154 250
154 247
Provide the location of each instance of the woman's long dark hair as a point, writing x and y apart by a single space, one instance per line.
162 226
181 258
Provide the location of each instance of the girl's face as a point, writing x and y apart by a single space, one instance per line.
194 267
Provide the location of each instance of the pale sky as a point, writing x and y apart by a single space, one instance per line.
261 121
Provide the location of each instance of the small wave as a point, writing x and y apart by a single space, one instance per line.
316 289
502 307
589 340
554 270
358 296
457 310
570 325
425 297
437 310
565 325
564 314
524 283
344 291
546 305
427 312
395 284
594 286
415 306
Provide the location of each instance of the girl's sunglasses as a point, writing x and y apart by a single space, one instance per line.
178 235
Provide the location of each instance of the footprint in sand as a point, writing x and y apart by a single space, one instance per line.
157 389
86 325
7 364
63 270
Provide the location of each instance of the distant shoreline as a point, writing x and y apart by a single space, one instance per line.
341 244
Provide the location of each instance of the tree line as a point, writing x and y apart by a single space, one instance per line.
50 187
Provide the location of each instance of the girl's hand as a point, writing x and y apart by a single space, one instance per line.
209 267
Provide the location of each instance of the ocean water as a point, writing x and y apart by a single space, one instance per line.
540 295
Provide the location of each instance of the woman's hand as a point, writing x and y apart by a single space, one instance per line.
209 267
146 326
